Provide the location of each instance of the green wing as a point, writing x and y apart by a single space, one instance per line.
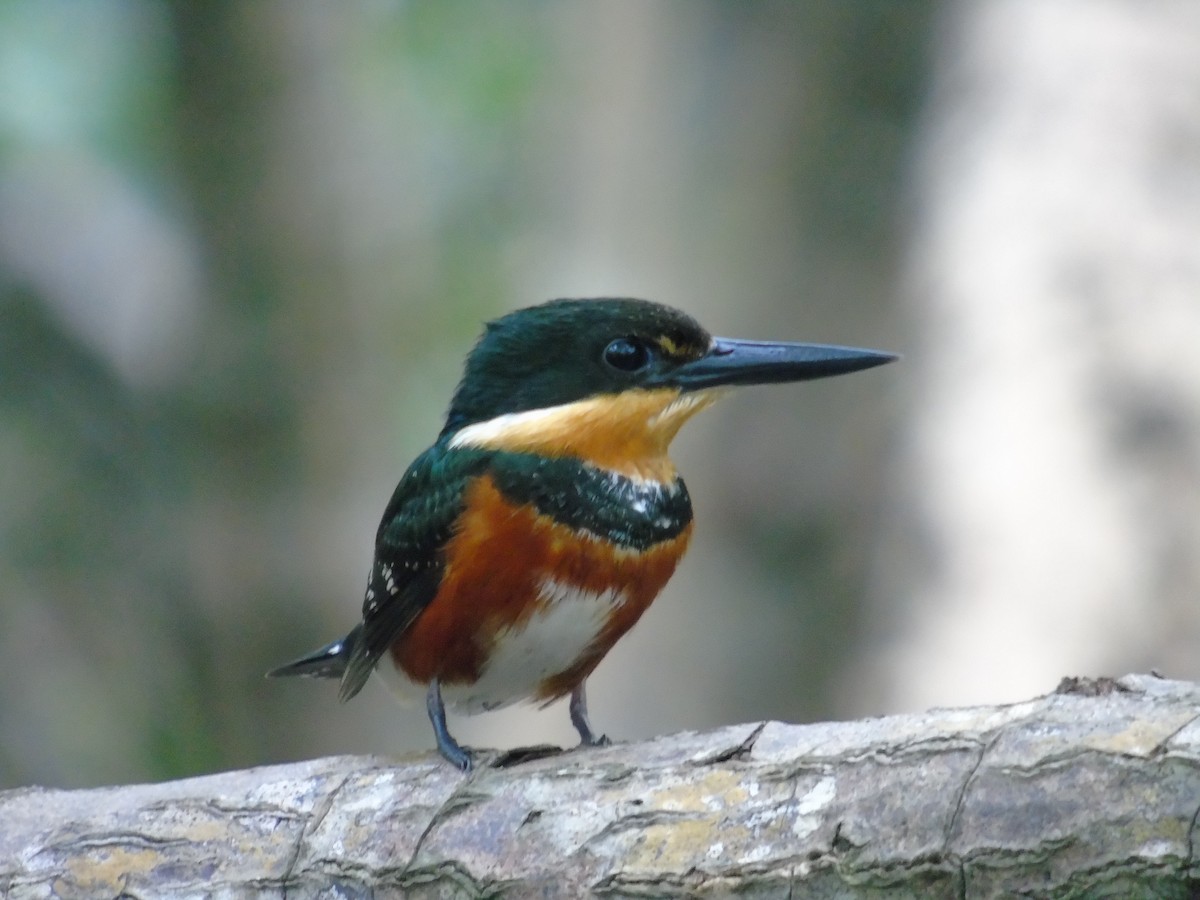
409 554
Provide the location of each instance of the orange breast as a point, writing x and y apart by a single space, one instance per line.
496 565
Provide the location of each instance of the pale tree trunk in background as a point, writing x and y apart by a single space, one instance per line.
1048 521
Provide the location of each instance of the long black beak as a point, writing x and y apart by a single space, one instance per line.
731 362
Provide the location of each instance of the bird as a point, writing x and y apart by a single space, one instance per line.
547 515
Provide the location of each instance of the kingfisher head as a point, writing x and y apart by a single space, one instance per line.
612 380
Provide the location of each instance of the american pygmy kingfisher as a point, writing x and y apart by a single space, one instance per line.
520 547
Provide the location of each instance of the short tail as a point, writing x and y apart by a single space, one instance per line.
328 662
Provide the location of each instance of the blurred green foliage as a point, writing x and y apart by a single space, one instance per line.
242 247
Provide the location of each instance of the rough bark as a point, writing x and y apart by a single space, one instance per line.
1093 790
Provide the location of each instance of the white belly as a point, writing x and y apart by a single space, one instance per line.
547 644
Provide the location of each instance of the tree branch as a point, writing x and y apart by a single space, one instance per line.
1094 789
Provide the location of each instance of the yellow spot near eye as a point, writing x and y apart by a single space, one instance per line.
667 346
680 352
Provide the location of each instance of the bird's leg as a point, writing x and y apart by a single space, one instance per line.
447 746
579 718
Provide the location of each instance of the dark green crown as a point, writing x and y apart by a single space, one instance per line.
566 350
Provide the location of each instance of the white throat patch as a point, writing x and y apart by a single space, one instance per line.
493 432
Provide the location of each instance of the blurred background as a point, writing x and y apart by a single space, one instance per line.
245 246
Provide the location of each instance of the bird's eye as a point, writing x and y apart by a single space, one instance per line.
627 354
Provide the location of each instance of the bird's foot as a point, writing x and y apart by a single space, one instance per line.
452 751
579 718
462 758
